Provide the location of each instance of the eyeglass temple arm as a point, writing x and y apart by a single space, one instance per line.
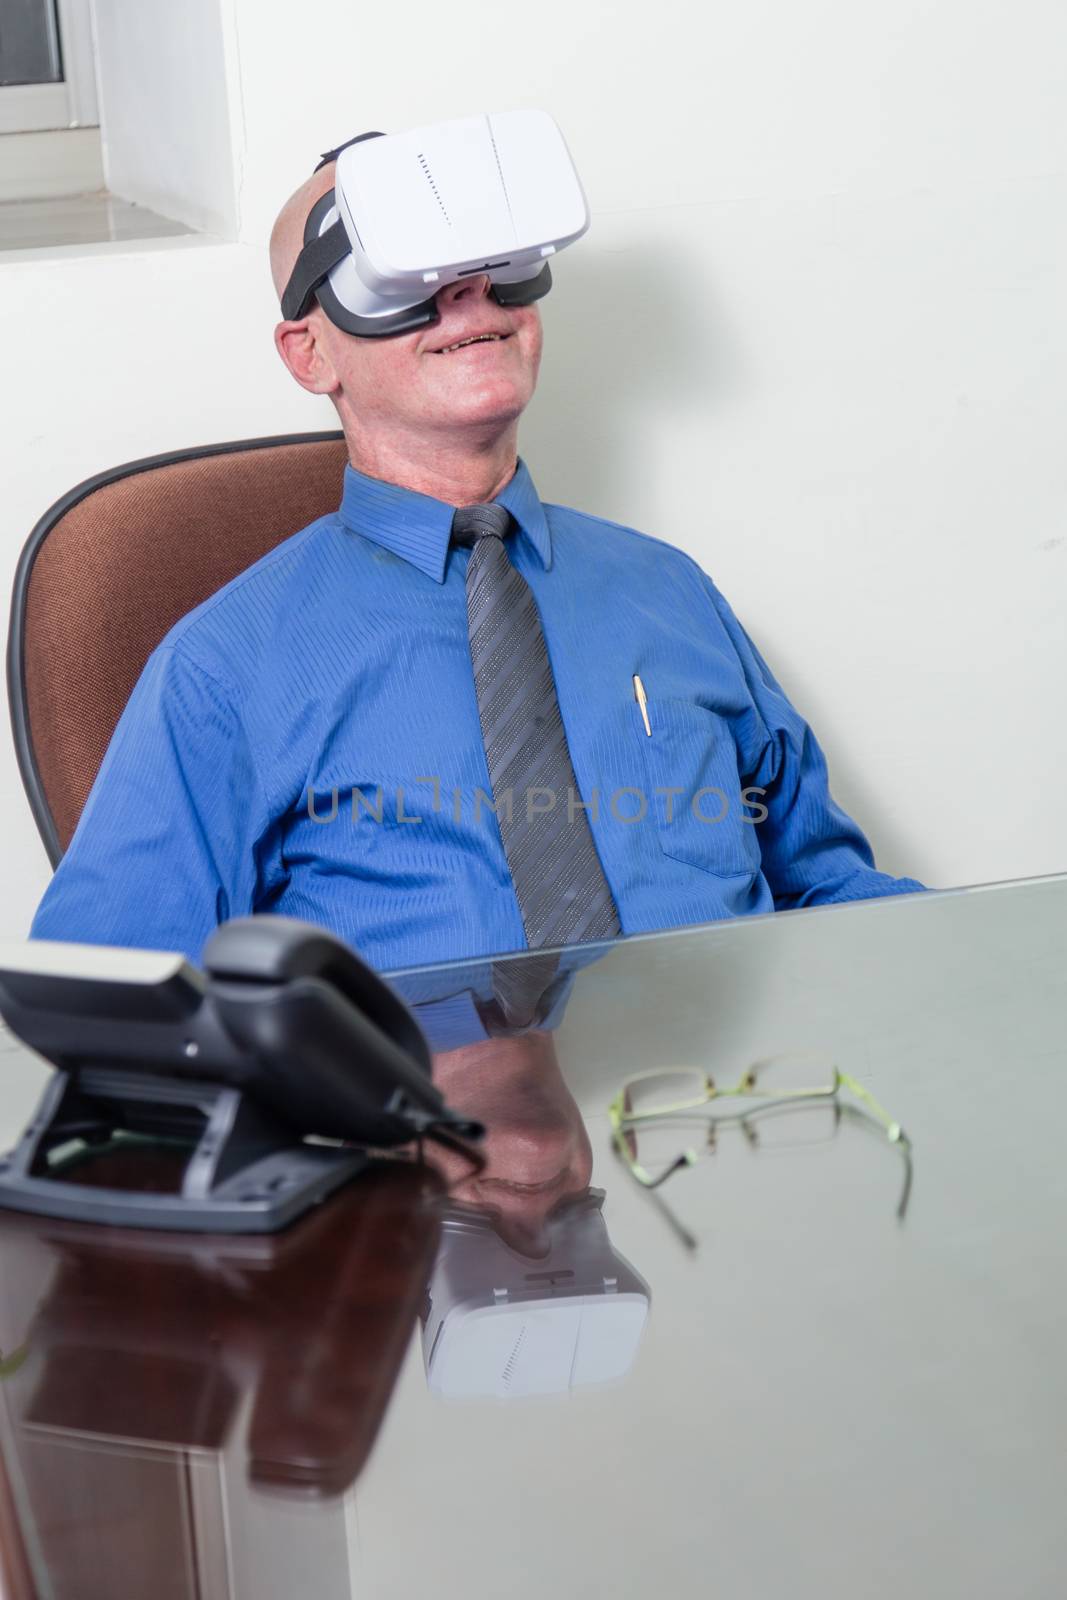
893 1129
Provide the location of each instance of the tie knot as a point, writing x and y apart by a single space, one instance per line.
478 522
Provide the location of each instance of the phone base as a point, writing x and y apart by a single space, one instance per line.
209 1159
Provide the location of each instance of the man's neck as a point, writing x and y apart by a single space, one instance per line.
460 472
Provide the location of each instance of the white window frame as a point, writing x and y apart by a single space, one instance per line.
31 107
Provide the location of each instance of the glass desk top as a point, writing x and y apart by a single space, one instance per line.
760 1378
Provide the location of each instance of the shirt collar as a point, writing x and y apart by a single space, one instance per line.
418 528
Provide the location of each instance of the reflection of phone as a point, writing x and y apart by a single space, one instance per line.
497 1323
286 1033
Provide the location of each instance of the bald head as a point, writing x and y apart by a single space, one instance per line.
287 235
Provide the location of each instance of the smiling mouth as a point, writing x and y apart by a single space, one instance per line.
478 338
508 1186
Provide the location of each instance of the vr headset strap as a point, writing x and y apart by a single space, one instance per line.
314 264
331 155
321 254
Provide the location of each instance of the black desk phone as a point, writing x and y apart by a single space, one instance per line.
272 1070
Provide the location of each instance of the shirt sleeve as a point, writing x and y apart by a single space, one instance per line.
165 847
813 853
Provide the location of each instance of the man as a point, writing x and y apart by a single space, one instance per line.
447 734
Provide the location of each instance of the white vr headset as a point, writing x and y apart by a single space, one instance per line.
412 212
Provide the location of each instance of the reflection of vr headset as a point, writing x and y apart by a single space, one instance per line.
412 212
497 1324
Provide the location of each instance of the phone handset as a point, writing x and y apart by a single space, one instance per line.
337 1046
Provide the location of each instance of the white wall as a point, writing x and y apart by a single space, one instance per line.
816 336
165 109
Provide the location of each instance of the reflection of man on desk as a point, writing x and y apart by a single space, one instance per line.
335 734
536 1148
528 1295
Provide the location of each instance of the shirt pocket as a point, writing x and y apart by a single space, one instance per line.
695 789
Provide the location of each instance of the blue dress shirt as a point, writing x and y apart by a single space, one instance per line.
307 742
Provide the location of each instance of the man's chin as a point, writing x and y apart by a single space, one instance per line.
494 405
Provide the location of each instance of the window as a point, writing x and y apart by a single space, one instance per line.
46 65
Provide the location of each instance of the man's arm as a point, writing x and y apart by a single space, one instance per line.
164 850
813 853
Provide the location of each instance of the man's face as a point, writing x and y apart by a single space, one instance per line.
536 1148
418 381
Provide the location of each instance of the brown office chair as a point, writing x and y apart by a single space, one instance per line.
112 566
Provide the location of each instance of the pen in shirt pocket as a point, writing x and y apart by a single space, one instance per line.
642 701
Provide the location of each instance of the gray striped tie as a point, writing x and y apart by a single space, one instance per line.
562 892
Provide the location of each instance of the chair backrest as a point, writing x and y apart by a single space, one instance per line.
112 566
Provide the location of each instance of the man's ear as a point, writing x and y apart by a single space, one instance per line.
304 354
